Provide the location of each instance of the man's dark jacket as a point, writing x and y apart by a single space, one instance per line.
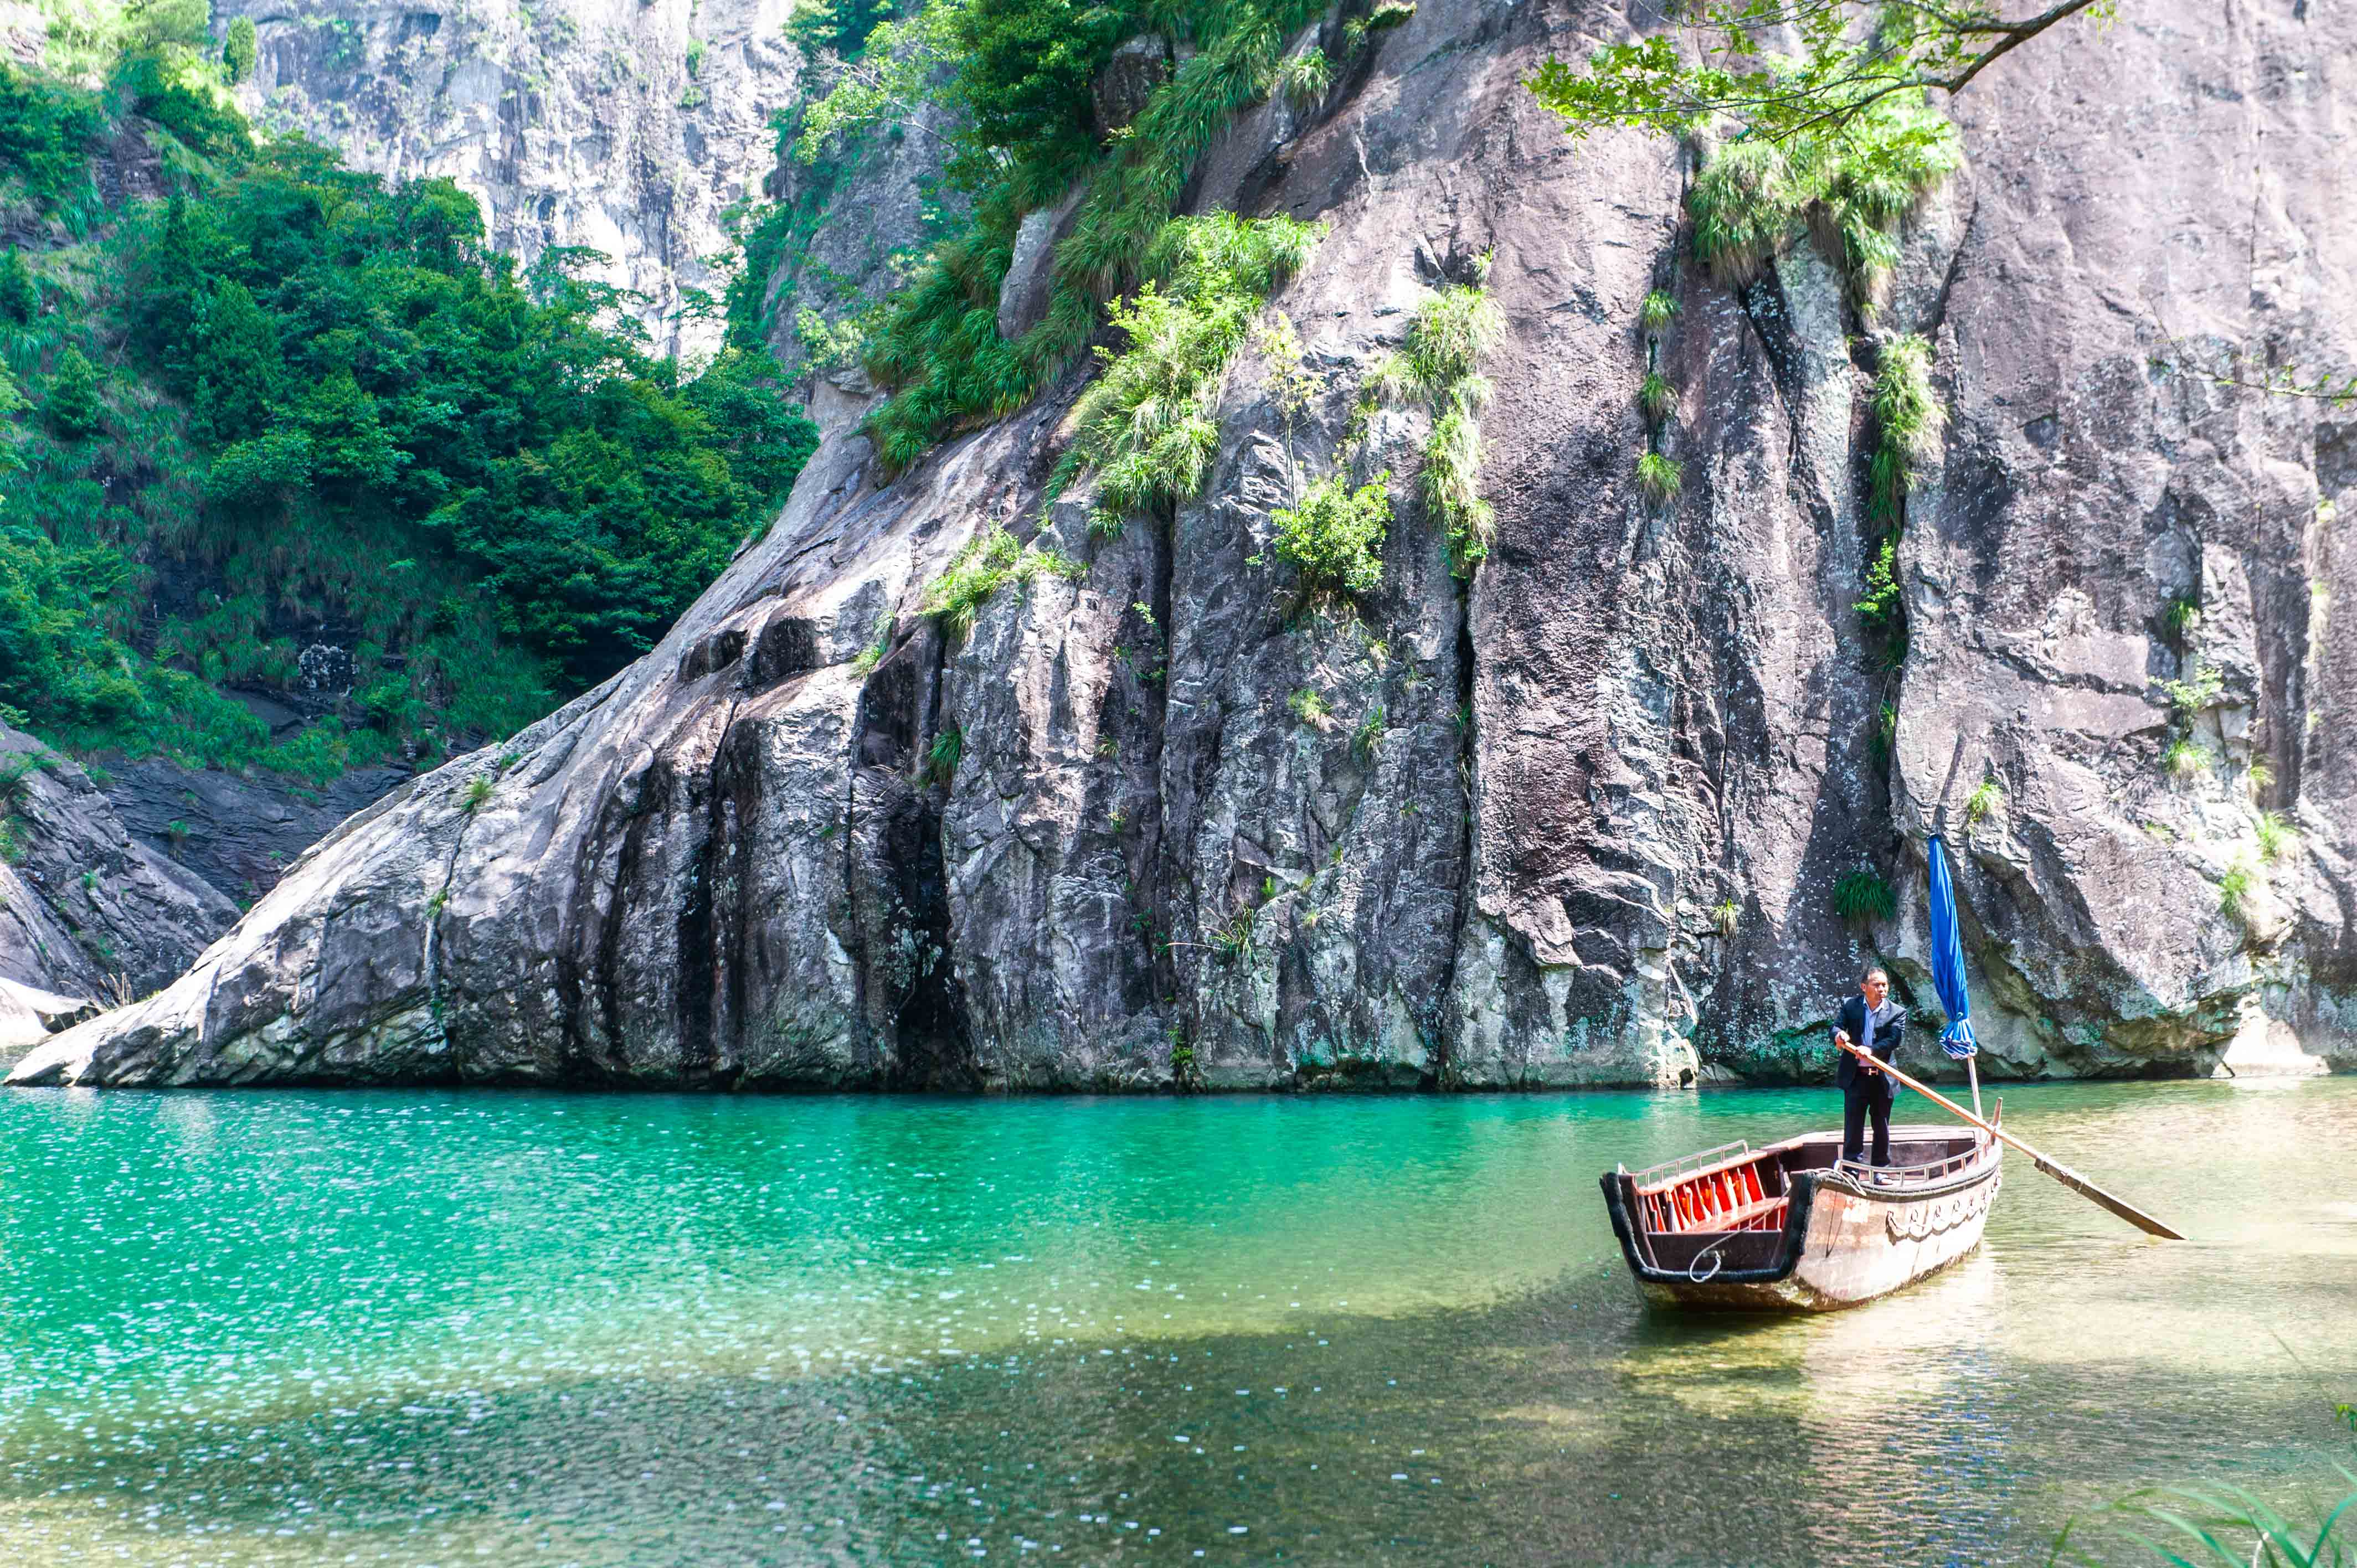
1851 1021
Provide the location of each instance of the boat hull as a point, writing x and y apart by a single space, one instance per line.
1843 1243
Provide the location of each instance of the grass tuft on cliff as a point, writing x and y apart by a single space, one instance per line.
1909 423
1146 427
1863 895
1855 186
1659 478
991 560
1439 363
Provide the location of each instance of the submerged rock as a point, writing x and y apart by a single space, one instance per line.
1580 820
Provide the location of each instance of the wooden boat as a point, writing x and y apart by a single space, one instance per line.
1794 1228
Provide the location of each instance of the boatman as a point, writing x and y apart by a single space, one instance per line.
1873 1023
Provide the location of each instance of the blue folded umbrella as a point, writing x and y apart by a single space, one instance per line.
1948 960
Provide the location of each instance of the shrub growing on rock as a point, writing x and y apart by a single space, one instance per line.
1335 536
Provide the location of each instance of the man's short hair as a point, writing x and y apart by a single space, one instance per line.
1871 970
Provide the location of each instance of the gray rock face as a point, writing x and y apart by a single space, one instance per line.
87 912
859 215
1175 822
1126 83
623 125
239 833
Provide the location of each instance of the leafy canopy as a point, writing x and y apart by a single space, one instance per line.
290 400
1852 54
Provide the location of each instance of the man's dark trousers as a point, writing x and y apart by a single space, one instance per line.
1867 1093
1869 1096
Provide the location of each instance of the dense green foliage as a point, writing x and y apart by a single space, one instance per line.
1024 75
240 52
837 27
1335 535
288 404
46 131
1025 138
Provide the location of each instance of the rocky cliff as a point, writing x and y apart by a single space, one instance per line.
89 914
627 126
1580 820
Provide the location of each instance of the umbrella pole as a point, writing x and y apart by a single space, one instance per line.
1973 1067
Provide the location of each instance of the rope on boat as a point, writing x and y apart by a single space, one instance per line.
1718 1262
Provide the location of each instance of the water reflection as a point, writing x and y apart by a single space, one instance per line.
402 1328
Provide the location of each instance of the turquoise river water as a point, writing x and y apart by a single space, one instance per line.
491 1328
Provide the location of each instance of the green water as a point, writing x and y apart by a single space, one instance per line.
489 1327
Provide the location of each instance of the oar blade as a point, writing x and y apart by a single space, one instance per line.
2127 1211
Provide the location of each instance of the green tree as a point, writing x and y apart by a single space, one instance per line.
168 291
72 406
20 296
1853 55
241 51
55 663
485 473
836 26
1024 77
46 131
154 24
261 475
237 367
766 439
352 453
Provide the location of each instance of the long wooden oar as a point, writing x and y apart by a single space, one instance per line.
2055 1168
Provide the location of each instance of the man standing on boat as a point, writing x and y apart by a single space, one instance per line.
1873 1023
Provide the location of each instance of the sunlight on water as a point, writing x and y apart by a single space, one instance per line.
312 1329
